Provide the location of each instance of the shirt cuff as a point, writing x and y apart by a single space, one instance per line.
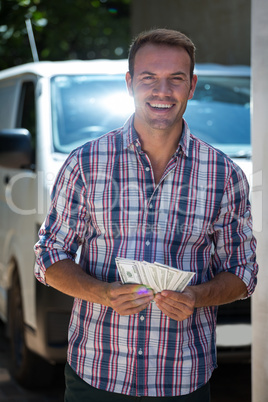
45 260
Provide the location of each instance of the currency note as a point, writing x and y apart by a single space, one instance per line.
128 271
155 275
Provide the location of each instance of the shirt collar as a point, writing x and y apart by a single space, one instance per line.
129 133
184 143
130 136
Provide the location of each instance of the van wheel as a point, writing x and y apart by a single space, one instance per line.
27 368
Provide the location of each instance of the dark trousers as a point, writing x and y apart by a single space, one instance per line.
78 390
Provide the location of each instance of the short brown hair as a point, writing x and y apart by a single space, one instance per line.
161 36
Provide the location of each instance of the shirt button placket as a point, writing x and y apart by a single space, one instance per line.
140 353
149 233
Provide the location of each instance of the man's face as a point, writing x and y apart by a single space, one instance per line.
161 86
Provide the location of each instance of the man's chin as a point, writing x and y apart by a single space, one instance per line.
160 124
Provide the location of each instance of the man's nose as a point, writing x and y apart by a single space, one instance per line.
162 87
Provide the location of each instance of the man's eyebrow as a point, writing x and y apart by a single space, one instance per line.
179 73
147 73
172 74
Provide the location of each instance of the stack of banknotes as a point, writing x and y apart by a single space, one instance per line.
156 276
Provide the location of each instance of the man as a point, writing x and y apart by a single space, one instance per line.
149 191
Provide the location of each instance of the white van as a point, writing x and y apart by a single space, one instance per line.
46 110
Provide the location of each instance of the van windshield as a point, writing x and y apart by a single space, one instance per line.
219 113
85 107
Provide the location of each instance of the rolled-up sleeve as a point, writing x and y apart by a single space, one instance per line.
235 250
66 223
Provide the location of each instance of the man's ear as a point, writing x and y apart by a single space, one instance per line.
129 83
193 85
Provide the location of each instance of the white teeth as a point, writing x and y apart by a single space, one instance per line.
160 106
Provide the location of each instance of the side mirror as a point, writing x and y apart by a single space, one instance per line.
15 148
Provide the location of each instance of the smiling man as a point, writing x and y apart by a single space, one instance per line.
161 84
149 191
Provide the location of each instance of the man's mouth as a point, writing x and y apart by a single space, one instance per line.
160 106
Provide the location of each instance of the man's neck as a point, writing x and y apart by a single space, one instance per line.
159 146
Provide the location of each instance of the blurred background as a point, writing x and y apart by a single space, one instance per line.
89 29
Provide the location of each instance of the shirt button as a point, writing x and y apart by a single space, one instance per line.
147 243
140 352
142 317
147 168
151 206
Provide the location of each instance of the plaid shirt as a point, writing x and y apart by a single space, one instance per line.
106 200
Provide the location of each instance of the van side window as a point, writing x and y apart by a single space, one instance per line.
26 114
7 101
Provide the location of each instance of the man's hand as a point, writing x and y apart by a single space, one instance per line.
223 288
175 305
69 278
128 299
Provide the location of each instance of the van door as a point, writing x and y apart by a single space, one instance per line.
17 186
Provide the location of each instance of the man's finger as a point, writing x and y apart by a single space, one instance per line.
137 290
